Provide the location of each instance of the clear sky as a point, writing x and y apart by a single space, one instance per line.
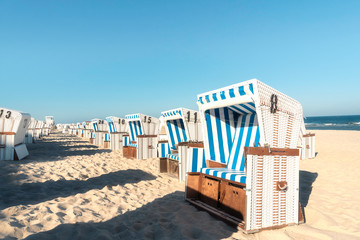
78 60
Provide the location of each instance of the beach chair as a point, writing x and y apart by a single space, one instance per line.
163 143
250 174
13 126
183 132
39 130
65 128
85 128
30 132
49 120
307 143
117 129
143 134
100 128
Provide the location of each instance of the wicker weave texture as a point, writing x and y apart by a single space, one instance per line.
146 147
266 205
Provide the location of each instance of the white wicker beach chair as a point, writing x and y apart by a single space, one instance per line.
30 132
117 128
307 143
183 130
39 129
251 175
87 129
143 136
13 126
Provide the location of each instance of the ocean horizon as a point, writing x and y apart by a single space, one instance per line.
343 122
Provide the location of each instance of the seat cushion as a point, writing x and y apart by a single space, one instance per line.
132 145
173 156
229 174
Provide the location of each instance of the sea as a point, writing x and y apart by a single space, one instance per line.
351 122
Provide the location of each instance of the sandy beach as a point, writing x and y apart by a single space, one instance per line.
70 189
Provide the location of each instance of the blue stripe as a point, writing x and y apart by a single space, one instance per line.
241 91
251 104
132 131
171 135
183 130
251 88
136 130
222 95
195 160
214 97
228 129
162 150
219 132
177 131
140 129
246 107
238 109
210 135
231 92
207 98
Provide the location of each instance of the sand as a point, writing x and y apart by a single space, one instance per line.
69 189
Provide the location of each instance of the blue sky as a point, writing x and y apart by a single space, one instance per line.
78 60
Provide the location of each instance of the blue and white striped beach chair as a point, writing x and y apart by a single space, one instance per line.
143 133
100 128
13 126
183 131
251 174
117 128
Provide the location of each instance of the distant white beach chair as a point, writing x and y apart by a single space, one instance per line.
13 126
49 125
183 130
251 176
39 129
307 141
117 129
143 136
86 129
30 132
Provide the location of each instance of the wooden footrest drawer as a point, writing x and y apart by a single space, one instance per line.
209 191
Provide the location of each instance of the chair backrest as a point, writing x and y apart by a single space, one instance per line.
99 125
135 129
247 133
15 122
176 132
116 124
182 125
141 124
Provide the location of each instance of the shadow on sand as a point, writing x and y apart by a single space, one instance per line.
306 181
33 193
169 217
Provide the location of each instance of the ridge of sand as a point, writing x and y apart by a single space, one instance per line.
70 189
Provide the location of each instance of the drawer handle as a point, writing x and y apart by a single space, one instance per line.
282 186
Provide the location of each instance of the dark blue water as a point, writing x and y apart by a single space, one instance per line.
333 123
